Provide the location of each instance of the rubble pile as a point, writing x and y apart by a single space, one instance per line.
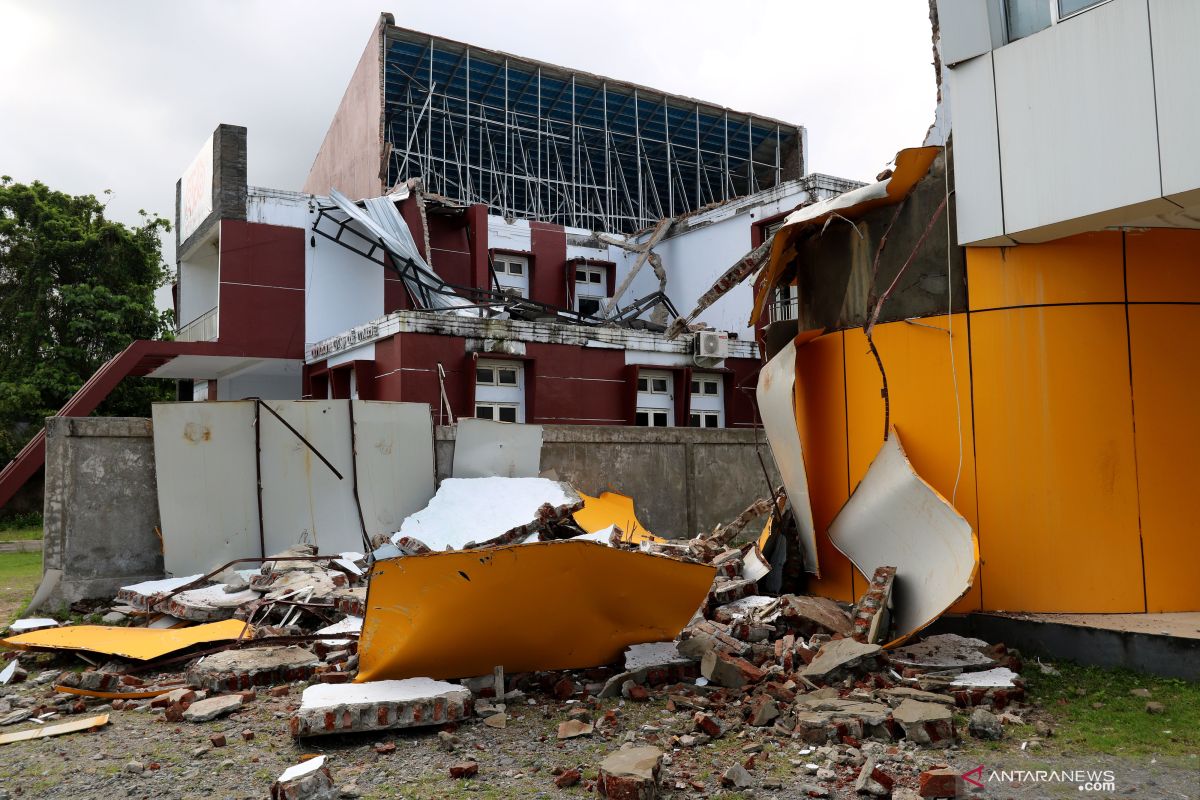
819 684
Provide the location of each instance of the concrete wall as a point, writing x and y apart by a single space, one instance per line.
682 480
101 506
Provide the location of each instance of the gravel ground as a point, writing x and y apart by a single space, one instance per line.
140 755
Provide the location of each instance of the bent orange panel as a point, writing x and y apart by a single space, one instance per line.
921 386
1054 443
610 509
142 644
1087 268
549 605
1162 265
1165 388
821 420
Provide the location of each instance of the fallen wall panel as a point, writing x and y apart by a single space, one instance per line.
485 449
550 605
393 457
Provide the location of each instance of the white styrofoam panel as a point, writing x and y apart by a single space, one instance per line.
486 449
394 460
1175 29
776 404
978 200
207 489
1075 103
300 495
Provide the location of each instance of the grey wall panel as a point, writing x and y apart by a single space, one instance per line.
207 486
978 198
394 461
1175 27
1075 102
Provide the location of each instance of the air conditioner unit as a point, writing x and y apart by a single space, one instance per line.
712 344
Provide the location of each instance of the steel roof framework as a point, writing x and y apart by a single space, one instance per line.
536 141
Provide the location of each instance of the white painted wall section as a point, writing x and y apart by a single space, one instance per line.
977 153
1175 26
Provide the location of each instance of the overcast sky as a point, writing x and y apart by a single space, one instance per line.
122 94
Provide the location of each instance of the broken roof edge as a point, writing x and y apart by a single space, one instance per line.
912 164
393 31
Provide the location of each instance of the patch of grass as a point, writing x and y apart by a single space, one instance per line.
16 522
20 534
1121 726
19 576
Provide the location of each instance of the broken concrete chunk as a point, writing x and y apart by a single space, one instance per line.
838 656
144 595
237 670
726 669
805 615
998 678
736 777
873 781
944 651
207 604
32 624
309 780
929 724
489 511
212 707
573 728
897 695
740 609
985 725
654 655
630 774
379 705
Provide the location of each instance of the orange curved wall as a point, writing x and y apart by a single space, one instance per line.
1079 403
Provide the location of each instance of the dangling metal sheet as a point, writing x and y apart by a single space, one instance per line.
894 518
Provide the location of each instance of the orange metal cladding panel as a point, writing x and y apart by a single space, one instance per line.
1165 388
921 388
1079 269
821 420
1054 444
530 607
1162 265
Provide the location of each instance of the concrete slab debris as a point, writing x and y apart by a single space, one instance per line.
840 655
143 596
630 774
206 604
379 705
653 654
944 651
996 678
480 511
308 780
421 608
894 518
245 668
573 728
212 707
926 723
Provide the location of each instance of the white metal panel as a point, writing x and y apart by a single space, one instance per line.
196 191
978 199
302 499
1075 104
486 449
776 404
1175 30
394 461
344 290
966 29
896 519
207 489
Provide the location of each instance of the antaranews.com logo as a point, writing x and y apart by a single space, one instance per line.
1087 780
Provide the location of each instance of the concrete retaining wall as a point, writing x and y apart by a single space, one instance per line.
101 507
682 480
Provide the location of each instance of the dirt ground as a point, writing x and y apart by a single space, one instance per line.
140 755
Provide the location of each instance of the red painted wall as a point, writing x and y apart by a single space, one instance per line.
261 296
548 283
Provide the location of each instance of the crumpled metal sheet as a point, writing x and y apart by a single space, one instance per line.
611 508
549 605
894 518
776 406
142 644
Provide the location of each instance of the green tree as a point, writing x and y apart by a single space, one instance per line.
75 289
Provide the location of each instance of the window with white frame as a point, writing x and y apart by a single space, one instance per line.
707 408
655 399
512 273
1026 17
500 390
591 288
786 304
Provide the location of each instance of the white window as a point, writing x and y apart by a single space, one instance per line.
655 399
708 401
500 390
512 274
591 288
651 418
1025 17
